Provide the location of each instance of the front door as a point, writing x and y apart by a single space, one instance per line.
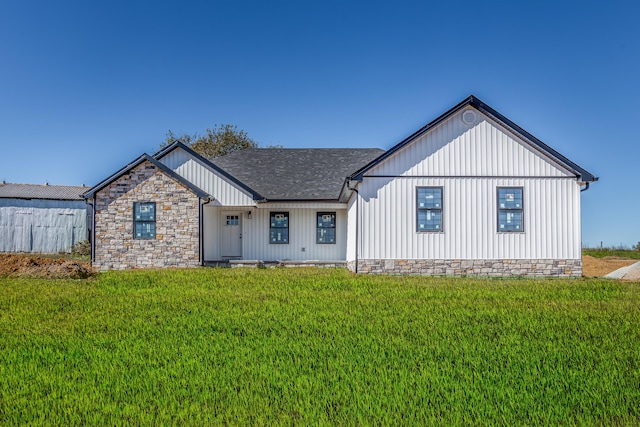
231 235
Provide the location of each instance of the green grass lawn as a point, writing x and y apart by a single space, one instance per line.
308 346
622 253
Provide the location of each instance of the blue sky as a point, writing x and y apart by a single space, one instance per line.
87 86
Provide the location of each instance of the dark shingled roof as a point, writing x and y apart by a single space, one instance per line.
296 173
36 191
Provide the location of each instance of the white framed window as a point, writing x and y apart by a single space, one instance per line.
279 228
510 209
144 220
326 228
429 209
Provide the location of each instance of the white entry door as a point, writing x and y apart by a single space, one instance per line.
231 235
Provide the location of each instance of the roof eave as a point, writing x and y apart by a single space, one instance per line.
299 201
581 174
145 157
178 144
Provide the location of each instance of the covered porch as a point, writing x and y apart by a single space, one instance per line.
243 235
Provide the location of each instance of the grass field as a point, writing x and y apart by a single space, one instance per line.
621 253
307 346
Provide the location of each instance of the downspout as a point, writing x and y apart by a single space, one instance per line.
92 235
357 217
586 187
201 230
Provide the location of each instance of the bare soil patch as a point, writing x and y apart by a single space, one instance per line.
26 265
602 266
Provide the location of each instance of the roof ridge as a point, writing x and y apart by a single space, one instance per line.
178 144
144 157
475 102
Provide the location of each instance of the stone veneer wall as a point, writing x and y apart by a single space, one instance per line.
495 267
177 222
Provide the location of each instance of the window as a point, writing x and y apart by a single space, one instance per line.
144 220
510 217
326 228
233 220
429 208
279 229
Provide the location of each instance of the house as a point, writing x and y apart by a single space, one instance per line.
469 193
41 218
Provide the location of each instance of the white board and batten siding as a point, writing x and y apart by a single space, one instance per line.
255 232
302 235
206 178
469 163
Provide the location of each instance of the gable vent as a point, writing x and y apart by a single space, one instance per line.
468 117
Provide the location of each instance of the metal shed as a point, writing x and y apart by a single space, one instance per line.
41 218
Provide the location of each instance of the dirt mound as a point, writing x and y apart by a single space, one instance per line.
602 266
37 266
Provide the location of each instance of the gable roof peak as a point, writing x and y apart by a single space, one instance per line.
581 174
90 194
208 163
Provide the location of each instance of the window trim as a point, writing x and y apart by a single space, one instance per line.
136 221
418 209
334 228
271 214
499 209
237 219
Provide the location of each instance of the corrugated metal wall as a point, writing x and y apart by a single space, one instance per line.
42 226
207 179
477 159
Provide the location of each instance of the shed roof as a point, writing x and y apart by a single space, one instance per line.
296 173
38 191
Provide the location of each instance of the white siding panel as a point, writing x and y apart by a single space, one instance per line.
388 220
225 192
255 234
302 234
454 149
211 233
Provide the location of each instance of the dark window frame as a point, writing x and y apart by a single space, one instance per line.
319 228
274 228
231 218
137 221
510 210
440 209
